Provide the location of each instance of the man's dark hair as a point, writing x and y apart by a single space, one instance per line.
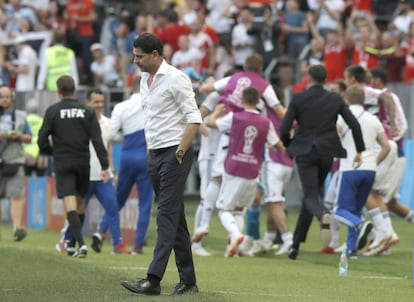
379 73
66 86
251 96
93 90
341 84
148 43
59 38
357 72
317 73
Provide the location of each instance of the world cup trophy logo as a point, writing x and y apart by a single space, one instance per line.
250 134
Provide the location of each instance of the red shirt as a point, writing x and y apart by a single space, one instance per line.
335 62
362 5
360 57
80 8
170 34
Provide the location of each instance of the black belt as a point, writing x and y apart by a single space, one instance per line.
161 150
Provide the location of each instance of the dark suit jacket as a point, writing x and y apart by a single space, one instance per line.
316 111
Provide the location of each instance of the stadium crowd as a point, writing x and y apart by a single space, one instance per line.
213 42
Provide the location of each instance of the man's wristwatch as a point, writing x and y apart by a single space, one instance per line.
179 153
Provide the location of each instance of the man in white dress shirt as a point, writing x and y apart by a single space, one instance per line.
172 120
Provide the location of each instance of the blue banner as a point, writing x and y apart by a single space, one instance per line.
36 202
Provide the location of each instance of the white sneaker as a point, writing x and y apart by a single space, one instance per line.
232 249
267 245
245 246
257 248
199 233
380 244
340 248
199 250
284 249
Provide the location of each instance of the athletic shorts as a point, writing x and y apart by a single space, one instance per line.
218 164
394 180
13 186
385 170
274 178
236 192
72 178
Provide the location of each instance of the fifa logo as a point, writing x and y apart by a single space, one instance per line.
250 134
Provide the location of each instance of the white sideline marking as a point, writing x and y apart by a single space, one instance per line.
126 268
382 277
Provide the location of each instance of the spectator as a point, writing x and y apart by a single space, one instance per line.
267 36
404 18
17 12
186 56
219 18
80 15
295 27
202 41
105 68
327 14
173 30
4 72
243 45
53 19
408 47
36 164
53 66
25 69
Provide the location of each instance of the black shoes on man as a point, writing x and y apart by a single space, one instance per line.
145 287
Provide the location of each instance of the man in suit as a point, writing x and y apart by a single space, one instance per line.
314 145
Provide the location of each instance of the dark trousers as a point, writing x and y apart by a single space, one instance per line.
168 178
312 169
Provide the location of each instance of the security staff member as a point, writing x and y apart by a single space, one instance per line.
72 125
58 60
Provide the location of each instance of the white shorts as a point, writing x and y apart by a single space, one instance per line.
236 192
204 170
394 180
274 178
385 172
218 164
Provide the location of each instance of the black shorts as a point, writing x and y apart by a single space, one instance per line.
72 178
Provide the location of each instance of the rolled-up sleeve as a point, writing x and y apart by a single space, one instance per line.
185 97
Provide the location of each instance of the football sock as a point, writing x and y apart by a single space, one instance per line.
198 214
212 192
229 222
239 217
410 217
334 233
287 238
253 222
378 220
75 226
388 222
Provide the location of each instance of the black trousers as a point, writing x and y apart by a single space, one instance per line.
168 178
312 169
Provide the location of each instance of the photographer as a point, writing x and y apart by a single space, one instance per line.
14 130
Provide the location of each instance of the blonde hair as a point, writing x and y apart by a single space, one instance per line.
355 95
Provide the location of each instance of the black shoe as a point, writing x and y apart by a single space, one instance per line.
293 253
19 234
143 286
82 252
353 255
364 231
97 242
181 288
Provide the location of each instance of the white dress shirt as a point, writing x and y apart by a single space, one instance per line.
169 105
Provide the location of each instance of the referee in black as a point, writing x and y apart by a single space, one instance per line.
72 126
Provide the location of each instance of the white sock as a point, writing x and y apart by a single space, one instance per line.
334 233
269 236
287 238
229 222
378 220
239 216
212 192
410 217
388 222
198 214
